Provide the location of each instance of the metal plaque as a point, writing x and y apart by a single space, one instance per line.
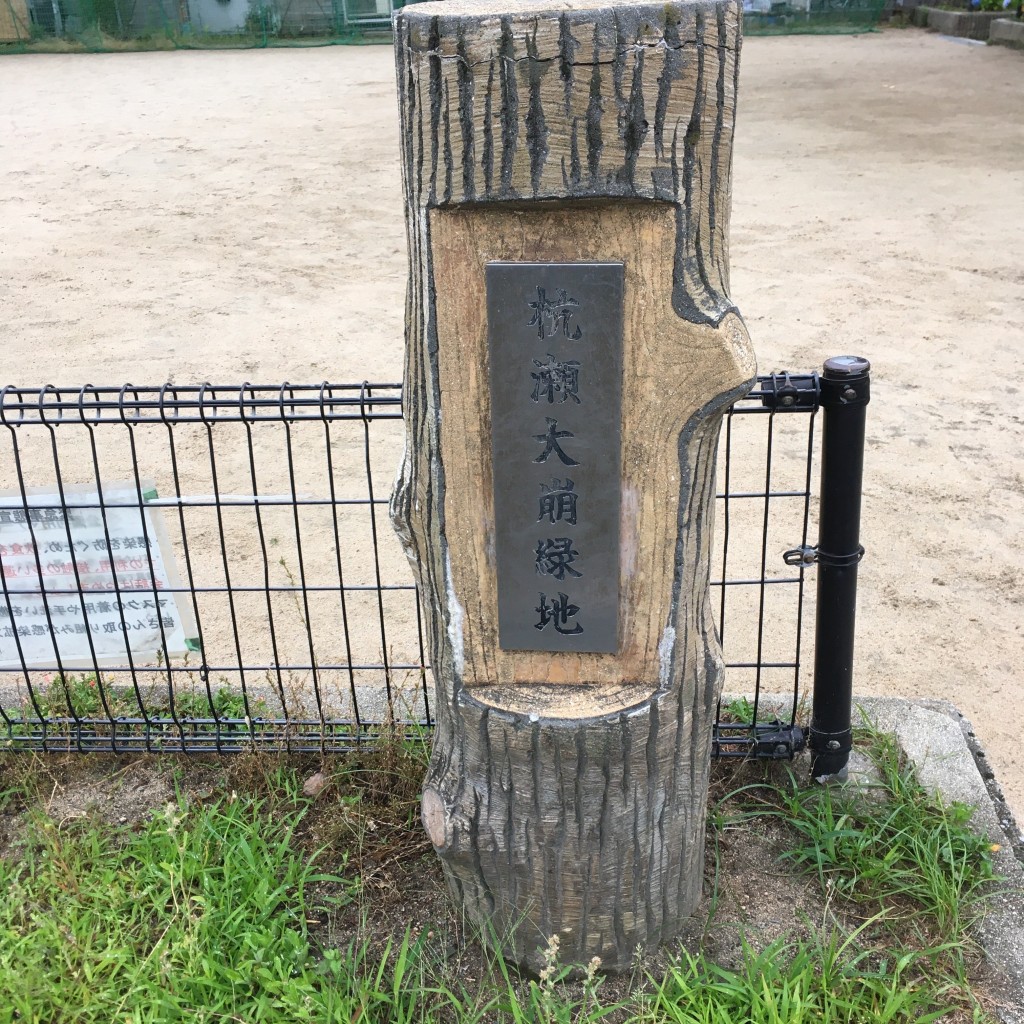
555 340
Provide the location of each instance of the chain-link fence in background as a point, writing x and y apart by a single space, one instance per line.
102 25
812 17
212 568
168 24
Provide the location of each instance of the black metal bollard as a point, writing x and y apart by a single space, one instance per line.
845 392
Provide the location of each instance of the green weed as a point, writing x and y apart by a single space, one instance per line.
76 696
897 847
826 979
103 707
739 709
545 1000
203 911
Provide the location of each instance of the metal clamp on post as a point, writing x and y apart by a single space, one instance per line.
829 746
846 382
777 741
791 391
815 556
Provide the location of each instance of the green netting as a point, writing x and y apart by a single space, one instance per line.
56 25
813 17
99 25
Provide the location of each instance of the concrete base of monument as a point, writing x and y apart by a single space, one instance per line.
564 700
949 760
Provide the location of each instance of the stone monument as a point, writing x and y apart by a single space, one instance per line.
571 347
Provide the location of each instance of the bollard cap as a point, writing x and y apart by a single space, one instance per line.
846 366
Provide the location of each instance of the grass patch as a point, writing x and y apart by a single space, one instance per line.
823 979
202 909
85 696
909 857
74 705
243 898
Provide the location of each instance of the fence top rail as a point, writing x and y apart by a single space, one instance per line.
251 403
198 403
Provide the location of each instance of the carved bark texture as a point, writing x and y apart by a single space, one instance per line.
566 794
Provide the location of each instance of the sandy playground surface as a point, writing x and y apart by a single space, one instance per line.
237 215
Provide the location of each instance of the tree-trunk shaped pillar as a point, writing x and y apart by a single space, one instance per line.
570 350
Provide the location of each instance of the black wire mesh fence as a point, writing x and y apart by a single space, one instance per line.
211 569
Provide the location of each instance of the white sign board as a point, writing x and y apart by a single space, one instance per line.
59 566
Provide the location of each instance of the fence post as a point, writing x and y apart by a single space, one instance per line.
845 392
571 348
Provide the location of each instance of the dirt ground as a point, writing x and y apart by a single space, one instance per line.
195 216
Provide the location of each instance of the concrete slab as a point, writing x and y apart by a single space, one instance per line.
969 24
919 16
950 762
1007 32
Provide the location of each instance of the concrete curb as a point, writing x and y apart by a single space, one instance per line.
950 763
965 24
942 746
1007 32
